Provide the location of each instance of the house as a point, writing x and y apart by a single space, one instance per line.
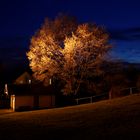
27 78
27 94
29 97
24 78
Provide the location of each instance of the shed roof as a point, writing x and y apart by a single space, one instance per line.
30 89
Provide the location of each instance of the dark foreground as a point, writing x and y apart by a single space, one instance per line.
117 119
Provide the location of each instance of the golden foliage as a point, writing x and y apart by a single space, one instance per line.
63 49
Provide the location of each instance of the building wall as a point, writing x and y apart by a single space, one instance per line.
23 102
46 101
28 102
53 101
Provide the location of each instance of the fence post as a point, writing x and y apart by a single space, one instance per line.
131 91
91 99
77 101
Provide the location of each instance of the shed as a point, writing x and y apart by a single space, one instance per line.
28 97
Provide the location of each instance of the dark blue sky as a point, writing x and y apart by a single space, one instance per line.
19 20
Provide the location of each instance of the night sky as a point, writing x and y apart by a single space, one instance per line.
20 19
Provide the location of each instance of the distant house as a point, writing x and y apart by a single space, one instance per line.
24 78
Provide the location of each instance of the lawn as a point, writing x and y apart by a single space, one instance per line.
116 119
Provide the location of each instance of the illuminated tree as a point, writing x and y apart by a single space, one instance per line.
83 53
69 52
45 54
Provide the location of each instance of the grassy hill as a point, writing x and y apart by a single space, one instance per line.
116 119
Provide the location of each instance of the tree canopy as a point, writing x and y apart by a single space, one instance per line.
68 51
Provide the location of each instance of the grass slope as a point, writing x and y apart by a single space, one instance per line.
117 119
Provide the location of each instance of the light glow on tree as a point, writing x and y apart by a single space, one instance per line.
68 51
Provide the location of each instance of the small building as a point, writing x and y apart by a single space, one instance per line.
29 97
24 78
30 102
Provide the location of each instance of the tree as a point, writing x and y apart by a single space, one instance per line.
45 54
83 52
68 51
